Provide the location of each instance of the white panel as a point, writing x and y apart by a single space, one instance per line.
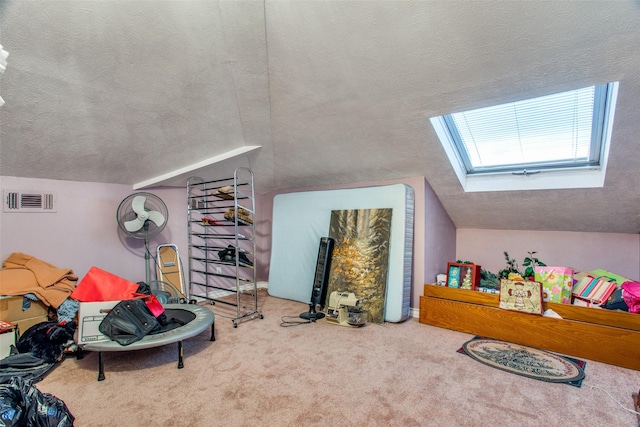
301 219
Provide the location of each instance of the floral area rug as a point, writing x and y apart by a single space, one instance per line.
526 361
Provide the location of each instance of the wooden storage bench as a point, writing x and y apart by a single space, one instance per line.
596 334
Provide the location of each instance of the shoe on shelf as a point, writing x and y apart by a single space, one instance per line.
244 260
225 193
228 255
209 221
243 215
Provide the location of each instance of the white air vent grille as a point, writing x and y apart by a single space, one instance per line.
29 201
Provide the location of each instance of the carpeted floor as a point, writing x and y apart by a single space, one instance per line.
260 373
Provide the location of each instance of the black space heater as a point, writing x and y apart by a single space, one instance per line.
320 280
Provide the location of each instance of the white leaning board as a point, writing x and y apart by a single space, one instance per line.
301 219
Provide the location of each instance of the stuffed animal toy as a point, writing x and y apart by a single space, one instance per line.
47 340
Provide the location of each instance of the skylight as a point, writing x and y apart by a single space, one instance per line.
553 141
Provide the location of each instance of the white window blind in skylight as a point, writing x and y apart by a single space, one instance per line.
553 141
559 130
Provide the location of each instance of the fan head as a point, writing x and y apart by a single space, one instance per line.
166 293
142 215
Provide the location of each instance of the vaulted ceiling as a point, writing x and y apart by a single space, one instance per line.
151 92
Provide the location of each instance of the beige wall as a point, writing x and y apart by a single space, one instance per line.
618 253
84 232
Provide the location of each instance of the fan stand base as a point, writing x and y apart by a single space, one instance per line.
312 315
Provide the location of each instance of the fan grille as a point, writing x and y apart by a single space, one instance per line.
126 213
166 293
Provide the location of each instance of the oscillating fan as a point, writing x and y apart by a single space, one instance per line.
142 216
166 292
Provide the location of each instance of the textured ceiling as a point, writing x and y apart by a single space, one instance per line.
332 91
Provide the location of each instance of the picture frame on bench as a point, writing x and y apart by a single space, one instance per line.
463 276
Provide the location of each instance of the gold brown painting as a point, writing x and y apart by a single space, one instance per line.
360 260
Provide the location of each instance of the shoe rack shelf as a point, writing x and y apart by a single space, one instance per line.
222 246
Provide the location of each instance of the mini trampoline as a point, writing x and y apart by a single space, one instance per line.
196 319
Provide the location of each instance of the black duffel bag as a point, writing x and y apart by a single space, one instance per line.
129 321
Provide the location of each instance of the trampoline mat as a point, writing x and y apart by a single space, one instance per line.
175 319
189 322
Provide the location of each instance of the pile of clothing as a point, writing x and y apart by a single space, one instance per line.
40 347
23 274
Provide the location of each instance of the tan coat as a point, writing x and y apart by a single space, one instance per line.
24 274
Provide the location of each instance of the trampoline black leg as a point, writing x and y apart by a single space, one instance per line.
100 367
213 332
180 364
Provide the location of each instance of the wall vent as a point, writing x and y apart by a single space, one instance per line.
29 201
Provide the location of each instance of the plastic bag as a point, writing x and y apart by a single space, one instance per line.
22 404
11 408
631 295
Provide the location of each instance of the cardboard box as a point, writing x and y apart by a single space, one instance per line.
90 314
7 339
24 324
11 309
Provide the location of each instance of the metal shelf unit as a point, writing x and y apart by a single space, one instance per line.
220 217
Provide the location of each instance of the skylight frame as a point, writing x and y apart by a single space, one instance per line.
584 174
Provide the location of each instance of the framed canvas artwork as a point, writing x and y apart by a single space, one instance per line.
360 260
521 295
